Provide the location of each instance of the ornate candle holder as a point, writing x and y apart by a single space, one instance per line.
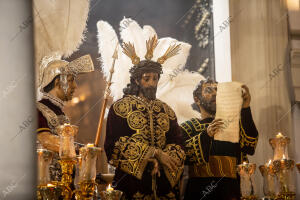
248 190
284 172
283 167
268 173
68 157
45 190
111 194
48 192
279 145
87 174
67 147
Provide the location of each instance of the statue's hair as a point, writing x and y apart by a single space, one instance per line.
51 85
198 92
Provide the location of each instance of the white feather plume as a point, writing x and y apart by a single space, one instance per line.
59 26
177 91
175 86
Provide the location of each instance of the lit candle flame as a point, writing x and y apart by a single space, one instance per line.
244 163
283 156
109 188
50 185
279 135
90 145
270 162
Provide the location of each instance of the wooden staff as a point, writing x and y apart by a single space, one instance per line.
106 94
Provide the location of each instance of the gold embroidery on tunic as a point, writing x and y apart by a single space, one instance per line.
52 119
178 154
131 155
151 119
140 196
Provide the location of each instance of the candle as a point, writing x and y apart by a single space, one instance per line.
279 135
50 185
109 188
90 145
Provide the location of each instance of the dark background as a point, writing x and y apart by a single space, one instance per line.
167 17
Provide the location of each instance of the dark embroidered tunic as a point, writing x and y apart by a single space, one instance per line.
134 129
212 163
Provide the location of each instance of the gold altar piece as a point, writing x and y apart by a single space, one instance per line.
246 171
111 194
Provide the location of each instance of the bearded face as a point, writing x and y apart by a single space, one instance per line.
208 98
148 85
149 92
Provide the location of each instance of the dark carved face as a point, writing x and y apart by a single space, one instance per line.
208 97
148 85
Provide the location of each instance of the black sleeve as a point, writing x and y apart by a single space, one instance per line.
248 132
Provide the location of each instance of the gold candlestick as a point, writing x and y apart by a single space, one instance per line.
48 192
67 166
246 170
68 157
283 169
87 188
111 194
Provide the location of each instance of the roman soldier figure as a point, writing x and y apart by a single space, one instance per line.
57 85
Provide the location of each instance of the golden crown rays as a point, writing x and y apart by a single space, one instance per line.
129 50
151 44
171 51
